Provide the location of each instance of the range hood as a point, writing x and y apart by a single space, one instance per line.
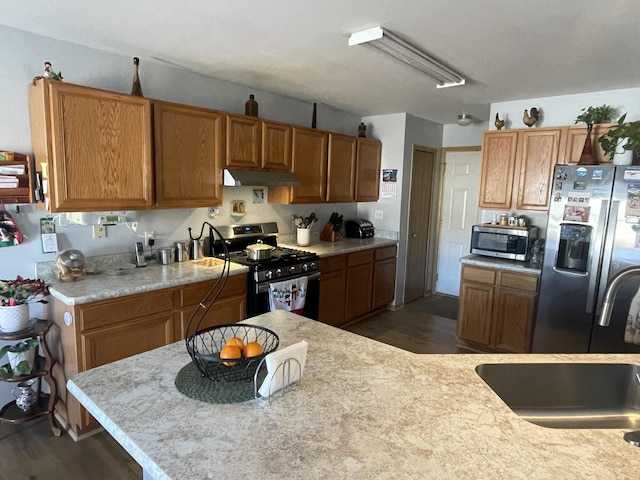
258 178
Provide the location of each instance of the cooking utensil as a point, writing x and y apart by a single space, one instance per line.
259 251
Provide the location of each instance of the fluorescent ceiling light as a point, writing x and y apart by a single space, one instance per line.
393 45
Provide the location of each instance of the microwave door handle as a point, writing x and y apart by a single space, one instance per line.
596 253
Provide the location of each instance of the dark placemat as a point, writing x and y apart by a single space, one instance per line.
191 383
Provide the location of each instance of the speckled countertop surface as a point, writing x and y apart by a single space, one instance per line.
344 245
512 265
364 410
152 277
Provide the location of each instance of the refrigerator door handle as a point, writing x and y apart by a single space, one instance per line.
595 256
608 250
566 271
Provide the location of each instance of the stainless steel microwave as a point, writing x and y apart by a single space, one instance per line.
513 243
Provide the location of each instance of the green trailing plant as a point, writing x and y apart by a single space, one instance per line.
593 115
23 367
614 140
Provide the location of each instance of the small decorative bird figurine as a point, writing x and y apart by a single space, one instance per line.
48 73
530 118
498 123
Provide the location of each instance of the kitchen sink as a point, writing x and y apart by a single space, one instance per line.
568 395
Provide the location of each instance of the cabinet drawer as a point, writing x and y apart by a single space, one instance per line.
519 281
332 264
122 309
385 252
193 294
360 258
480 275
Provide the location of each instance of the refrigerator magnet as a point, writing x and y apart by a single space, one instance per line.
597 174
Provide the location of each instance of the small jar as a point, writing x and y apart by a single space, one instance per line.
503 219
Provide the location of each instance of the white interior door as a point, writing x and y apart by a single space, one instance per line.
459 213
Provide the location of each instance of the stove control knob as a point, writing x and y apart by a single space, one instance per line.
278 272
312 266
305 267
292 270
268 275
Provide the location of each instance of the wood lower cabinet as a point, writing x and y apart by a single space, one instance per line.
356 284
333 283
92 147
497 308
93 334
188 156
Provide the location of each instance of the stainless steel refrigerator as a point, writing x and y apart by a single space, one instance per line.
593 232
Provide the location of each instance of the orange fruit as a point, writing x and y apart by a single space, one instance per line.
230 352
235 341
253 349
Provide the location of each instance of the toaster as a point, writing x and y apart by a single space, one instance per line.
358 228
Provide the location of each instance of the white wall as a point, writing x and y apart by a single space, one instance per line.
22 56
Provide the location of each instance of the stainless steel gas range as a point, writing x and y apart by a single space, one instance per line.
283 264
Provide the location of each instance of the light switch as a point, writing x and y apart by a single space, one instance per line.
99 231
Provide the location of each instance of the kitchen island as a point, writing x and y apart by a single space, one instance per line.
363 410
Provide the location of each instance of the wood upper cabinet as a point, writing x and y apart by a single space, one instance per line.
537 154
368 170
573 143
309 164
276 146
497 308
341 168
188 156
517 166
92 147
242 141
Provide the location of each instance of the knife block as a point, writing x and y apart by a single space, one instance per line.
328 234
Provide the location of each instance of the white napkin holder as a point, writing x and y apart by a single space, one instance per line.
284 371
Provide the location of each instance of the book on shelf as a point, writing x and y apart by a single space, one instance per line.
12 169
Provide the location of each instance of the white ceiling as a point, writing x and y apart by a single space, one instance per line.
507 49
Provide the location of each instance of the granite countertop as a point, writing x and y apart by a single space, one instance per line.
364 410
501 263
344 245
154 276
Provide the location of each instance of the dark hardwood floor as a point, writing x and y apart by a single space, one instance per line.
30 451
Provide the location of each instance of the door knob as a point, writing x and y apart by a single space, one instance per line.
414 235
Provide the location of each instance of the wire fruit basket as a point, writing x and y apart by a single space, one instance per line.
204 346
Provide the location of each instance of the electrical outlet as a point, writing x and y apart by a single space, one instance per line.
149 236
378 214
99 231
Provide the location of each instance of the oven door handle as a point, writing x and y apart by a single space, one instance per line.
264 287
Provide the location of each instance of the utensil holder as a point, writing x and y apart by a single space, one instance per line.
303 237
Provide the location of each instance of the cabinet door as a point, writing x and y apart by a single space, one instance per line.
332 297
475 312
384 282
514 316
341 168
498 163
359 280
537 154
368 170
276 146
101 149
574 143
107 345
188 155
243 142
227 310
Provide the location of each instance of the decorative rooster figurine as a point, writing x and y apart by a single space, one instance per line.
531 118
498 123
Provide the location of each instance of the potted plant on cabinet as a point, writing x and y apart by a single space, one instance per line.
593 115
625 136
15 296
21 358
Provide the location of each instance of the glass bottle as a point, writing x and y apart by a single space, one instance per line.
251 106
136 89
586 158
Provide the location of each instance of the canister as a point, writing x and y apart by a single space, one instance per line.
166 255
182 250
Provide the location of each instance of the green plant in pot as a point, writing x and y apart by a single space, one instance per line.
625 136
21 357
593 115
